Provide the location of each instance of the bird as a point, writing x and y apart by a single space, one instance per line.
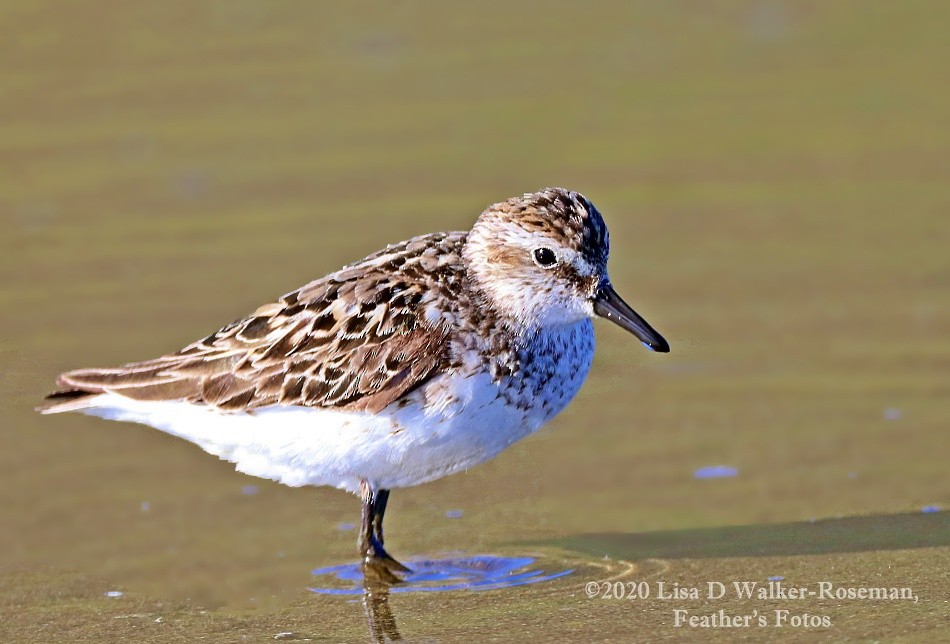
419 361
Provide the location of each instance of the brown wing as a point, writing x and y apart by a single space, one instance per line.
354 340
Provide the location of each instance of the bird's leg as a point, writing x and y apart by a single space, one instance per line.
371 530
379 510
365 542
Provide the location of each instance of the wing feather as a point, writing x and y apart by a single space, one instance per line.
355 340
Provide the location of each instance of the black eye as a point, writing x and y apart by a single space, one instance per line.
545 257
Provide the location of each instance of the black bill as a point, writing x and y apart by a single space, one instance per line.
607 304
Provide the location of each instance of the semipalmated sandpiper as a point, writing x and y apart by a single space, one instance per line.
424 359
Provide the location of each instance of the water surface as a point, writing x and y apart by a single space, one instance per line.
774 176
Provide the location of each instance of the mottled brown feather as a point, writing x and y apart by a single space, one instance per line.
365 336
353 340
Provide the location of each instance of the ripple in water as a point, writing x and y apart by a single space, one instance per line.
480 572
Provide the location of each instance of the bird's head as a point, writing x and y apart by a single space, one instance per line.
541 259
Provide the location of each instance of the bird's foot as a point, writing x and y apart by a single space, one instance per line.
378 553
378 575
379 568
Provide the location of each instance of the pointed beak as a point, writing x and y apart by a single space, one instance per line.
607 304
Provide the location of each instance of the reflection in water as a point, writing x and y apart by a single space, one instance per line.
379 617
481 572
715 472
375 582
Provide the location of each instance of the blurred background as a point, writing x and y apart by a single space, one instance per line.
775 176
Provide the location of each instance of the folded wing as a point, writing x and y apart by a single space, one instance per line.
353 340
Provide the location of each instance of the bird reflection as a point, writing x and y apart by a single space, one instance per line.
378 578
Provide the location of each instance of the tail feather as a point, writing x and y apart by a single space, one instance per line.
102 379
71 400
145 380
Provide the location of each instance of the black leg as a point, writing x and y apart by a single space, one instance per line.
371 530
379 510
365 543
379 569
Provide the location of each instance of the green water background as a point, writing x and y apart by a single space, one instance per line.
775 176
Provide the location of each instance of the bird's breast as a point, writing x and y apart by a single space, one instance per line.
552 366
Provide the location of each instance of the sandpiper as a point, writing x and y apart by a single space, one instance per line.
421 360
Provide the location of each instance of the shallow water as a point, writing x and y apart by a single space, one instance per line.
774 176
460 572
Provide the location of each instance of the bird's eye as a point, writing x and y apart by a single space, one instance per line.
545 257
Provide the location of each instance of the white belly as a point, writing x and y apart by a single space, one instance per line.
449 425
